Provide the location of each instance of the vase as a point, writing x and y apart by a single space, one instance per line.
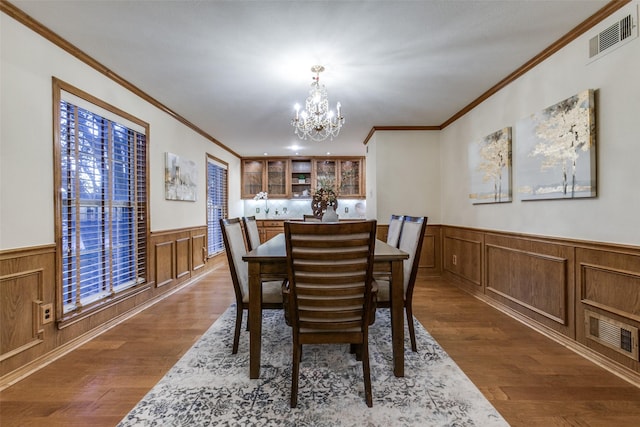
330 215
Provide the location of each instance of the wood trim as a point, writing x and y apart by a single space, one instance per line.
162 260
375 129
54 38
607 307
6 254
22 291
619 370
65 348
560 318
93 310
63 333
183 256
464 267
198 250
551 284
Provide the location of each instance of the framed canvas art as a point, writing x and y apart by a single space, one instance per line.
180 178
556 151
490 168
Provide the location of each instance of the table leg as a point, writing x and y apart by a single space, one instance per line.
397 317
255 319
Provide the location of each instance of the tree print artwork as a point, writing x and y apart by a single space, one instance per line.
490 160
557 151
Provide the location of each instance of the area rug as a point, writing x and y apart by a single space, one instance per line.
209 386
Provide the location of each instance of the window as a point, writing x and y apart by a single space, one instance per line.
216 203
102 204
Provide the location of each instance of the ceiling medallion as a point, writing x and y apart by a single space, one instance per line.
316 121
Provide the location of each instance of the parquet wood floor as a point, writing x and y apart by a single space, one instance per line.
531 380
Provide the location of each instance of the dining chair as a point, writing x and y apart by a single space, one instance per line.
410 241
329 295
234 244
395 228
310 218
252 233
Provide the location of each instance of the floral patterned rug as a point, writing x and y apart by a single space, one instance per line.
210 386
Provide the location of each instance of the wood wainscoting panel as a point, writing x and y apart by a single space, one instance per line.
430 264
617 291
431 255
198 250
183 257
608 281
165 262
462 255
534 281
21 296
534 277
27 281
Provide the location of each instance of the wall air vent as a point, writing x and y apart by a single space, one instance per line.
615 35
616 335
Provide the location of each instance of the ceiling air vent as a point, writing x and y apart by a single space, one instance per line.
618 336
614 36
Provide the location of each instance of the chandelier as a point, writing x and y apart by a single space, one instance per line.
316 121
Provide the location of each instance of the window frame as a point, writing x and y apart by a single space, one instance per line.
101 107
225 207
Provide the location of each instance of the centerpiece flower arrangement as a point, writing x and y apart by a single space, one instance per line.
324 196
263 195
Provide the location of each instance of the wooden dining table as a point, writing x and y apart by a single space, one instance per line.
269 262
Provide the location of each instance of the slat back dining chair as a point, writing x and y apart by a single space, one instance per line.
310 218
234 243
330 296
411 239
251 229
395 228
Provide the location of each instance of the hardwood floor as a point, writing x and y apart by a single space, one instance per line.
531 380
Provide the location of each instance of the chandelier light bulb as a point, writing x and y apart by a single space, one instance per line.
318 122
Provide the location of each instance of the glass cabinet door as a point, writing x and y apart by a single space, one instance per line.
252 178
277 174
350 178
326 174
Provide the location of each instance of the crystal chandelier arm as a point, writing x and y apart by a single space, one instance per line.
318 121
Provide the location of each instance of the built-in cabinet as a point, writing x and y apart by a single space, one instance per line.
296 178
301 177
269 228
270 175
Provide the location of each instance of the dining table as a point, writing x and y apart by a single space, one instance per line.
268 262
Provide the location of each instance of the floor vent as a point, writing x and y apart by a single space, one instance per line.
622 31
616 335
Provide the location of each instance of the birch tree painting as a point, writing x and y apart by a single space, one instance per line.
490 160
557 151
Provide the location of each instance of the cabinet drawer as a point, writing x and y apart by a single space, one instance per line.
268 223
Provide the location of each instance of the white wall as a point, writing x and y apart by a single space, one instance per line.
403 175
441 189
27 64
613 215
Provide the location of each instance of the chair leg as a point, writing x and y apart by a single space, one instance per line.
247 320
367 375
236 333
295 372
356 350
412 332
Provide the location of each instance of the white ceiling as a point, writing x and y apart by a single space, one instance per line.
236 68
